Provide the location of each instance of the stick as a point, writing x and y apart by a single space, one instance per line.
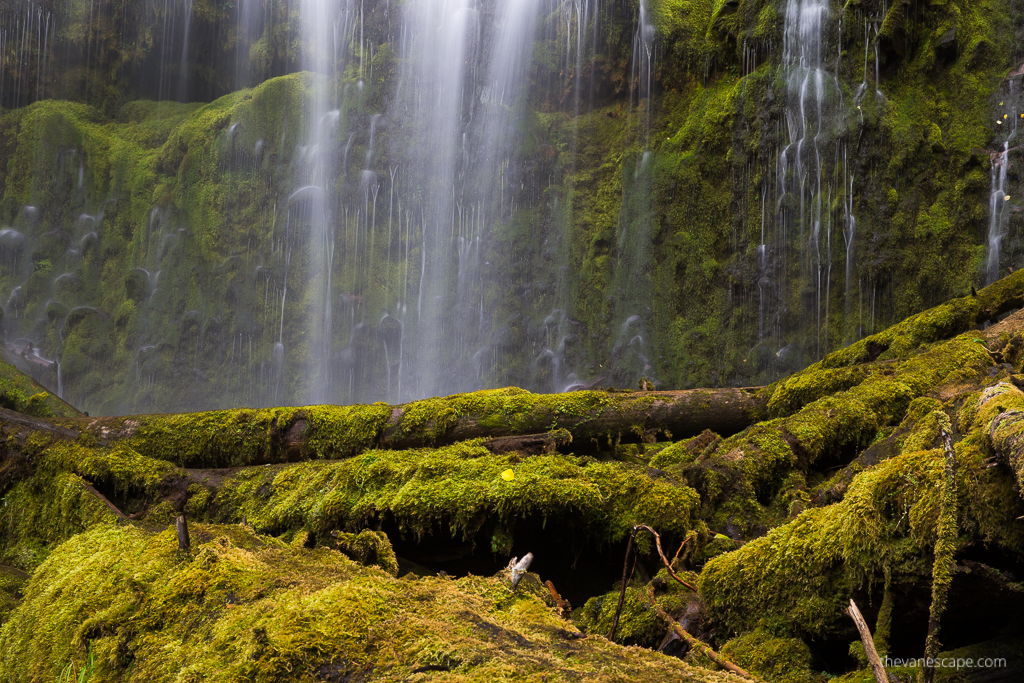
91 490
701 647
668 565
622 591
869 645
560 604
184 542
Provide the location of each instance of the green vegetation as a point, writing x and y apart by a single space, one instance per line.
245 606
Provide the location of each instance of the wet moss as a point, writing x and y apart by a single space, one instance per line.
244 606
883 532
773 658
458 490
20 392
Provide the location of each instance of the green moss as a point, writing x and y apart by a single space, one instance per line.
459 490
12 584
370 548
792 394
883 532
638 623
248 607
23 394
772 658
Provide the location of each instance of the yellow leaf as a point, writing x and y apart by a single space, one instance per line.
508 475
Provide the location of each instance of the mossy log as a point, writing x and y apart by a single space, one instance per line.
591 419
850 366
1007 435
742 479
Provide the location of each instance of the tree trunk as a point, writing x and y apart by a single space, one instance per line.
512 420
612 418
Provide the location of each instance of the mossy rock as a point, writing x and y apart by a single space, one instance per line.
773 658
242 606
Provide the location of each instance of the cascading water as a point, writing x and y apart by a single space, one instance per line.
24 51
632 349
806 181
451 195
999 197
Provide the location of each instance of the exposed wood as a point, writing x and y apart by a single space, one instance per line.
518 569
184 542
561 605
869 644
529 444
701 647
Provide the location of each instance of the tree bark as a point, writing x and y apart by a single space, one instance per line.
514 421
529 444
628 417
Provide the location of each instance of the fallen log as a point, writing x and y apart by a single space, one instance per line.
511 419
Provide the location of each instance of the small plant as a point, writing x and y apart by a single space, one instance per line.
84 674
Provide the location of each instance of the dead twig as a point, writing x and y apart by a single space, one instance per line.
561 605
700 646
668 565
626 574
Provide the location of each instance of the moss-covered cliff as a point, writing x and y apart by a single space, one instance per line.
655 216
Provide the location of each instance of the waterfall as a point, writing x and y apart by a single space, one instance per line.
807 185
999 197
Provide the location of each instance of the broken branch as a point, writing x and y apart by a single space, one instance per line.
869 644
668 565
702 647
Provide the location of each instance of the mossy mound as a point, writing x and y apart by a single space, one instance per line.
882 533
458 490
638 623
773 658
247 607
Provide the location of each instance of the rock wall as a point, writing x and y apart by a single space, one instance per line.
683 191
